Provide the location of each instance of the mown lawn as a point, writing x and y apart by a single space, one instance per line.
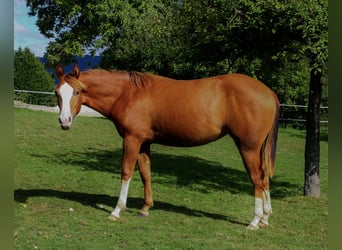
67 182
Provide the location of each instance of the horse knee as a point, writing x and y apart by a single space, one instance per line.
126 175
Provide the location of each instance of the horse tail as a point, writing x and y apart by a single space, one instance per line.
268 149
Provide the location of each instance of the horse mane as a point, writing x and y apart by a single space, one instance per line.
69 78
140 80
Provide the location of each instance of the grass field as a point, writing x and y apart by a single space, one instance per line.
67 182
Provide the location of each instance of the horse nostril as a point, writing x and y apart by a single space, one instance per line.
61 121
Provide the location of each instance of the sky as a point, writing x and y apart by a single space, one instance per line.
26 33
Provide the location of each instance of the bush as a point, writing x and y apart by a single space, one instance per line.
30 74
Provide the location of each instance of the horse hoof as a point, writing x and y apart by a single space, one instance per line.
142 214
252 227
113 218
263 224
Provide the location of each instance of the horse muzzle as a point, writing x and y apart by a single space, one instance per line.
65 123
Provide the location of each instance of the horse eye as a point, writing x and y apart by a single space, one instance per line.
77 92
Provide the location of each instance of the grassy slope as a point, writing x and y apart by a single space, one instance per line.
66 183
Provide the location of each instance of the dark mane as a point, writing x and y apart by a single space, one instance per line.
140 80
75 82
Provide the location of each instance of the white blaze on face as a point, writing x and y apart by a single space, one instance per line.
65 117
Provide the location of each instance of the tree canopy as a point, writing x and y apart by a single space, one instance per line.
282 43
275 41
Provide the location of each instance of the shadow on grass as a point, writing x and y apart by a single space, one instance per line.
188 171
95 200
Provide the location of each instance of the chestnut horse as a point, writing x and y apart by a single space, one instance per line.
148 109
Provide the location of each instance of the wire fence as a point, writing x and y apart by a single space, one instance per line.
290 113
301 115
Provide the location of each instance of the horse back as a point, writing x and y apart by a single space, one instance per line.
214 96
195 112
203 110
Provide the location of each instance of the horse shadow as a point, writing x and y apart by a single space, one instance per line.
187 170
97 201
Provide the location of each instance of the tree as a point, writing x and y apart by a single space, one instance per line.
294 31
282 43
271 34
79 25
30 74
316 50
145 40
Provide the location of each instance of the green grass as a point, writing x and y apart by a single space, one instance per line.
67 182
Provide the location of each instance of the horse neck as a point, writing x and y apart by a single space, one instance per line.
104 88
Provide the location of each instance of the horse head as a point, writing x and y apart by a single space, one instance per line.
69 91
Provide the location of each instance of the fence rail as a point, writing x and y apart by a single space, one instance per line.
298 119
300 106
282 105
34 92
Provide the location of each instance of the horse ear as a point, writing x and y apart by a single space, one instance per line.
59 70
76 71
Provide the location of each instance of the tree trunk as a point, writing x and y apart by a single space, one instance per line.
312 143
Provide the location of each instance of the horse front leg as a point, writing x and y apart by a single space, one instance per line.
131 148
144 162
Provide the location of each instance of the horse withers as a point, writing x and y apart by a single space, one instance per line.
148 109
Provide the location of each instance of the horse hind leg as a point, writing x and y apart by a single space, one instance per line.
144 163
262 210
262 200
267 207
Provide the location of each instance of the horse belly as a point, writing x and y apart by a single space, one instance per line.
189 134
180 141
193 117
